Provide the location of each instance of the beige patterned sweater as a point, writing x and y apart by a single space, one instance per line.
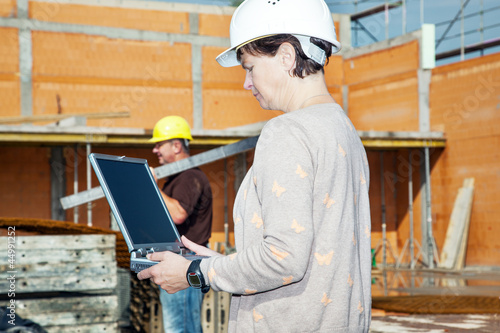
302 229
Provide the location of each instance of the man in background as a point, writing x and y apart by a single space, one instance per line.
188 197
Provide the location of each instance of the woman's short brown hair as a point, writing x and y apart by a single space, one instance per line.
268 46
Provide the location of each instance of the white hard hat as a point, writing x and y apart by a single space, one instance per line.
254 19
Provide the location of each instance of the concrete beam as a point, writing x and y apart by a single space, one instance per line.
114 33
382 45
25 60
150 5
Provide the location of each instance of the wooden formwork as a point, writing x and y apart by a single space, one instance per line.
215 312
63 283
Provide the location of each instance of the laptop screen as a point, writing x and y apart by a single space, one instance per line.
137 200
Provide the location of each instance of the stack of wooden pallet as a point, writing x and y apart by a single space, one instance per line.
65 283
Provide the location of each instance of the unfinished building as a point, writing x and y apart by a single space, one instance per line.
94 76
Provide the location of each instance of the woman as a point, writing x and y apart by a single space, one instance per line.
302 220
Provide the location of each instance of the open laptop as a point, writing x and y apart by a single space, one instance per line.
138 207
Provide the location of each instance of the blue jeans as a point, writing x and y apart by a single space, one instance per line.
182 311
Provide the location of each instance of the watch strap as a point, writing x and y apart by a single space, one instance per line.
194 268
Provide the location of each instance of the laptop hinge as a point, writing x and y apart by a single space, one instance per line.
143 252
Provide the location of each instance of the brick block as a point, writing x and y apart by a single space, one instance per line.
9 51
141 19
380 64
8 8
387 104
214 25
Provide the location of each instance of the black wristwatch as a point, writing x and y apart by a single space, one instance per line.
195 277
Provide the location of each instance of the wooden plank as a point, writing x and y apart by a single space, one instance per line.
57 117
215 311
208 322
92 328
65 311
156 314
61 263
54 256
66 241
457 227
58 249
223 304
460 262
66 283
47 270
91 304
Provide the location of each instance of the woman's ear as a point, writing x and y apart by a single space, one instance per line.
286 53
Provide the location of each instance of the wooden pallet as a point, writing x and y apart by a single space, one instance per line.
63 283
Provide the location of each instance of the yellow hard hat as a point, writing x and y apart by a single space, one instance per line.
171 127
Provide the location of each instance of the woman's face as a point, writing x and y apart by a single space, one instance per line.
264 77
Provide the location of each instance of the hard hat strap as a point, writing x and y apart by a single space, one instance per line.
311 50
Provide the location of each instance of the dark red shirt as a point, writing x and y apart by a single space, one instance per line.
192 189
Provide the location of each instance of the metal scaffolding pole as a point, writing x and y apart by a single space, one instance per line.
75 183
89 186
410 211
463 5
410 243
462 29
430 239
382 200
481 25
386 19
403 17
226 207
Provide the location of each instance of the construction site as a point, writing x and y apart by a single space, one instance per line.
94 76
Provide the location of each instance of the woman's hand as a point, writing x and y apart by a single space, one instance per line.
198 249
170 272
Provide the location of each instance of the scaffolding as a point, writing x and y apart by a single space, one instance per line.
219 144
448 26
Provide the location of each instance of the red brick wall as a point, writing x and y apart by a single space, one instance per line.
8 8
9 69
465 104
74 73
383 89
25 182
143 19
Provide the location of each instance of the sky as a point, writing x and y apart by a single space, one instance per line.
438 12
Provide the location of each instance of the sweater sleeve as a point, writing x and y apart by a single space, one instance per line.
277 215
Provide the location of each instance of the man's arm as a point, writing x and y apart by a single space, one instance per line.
178 213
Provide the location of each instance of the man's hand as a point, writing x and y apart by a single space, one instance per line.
154 174
169 273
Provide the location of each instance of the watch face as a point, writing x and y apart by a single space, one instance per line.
194 280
